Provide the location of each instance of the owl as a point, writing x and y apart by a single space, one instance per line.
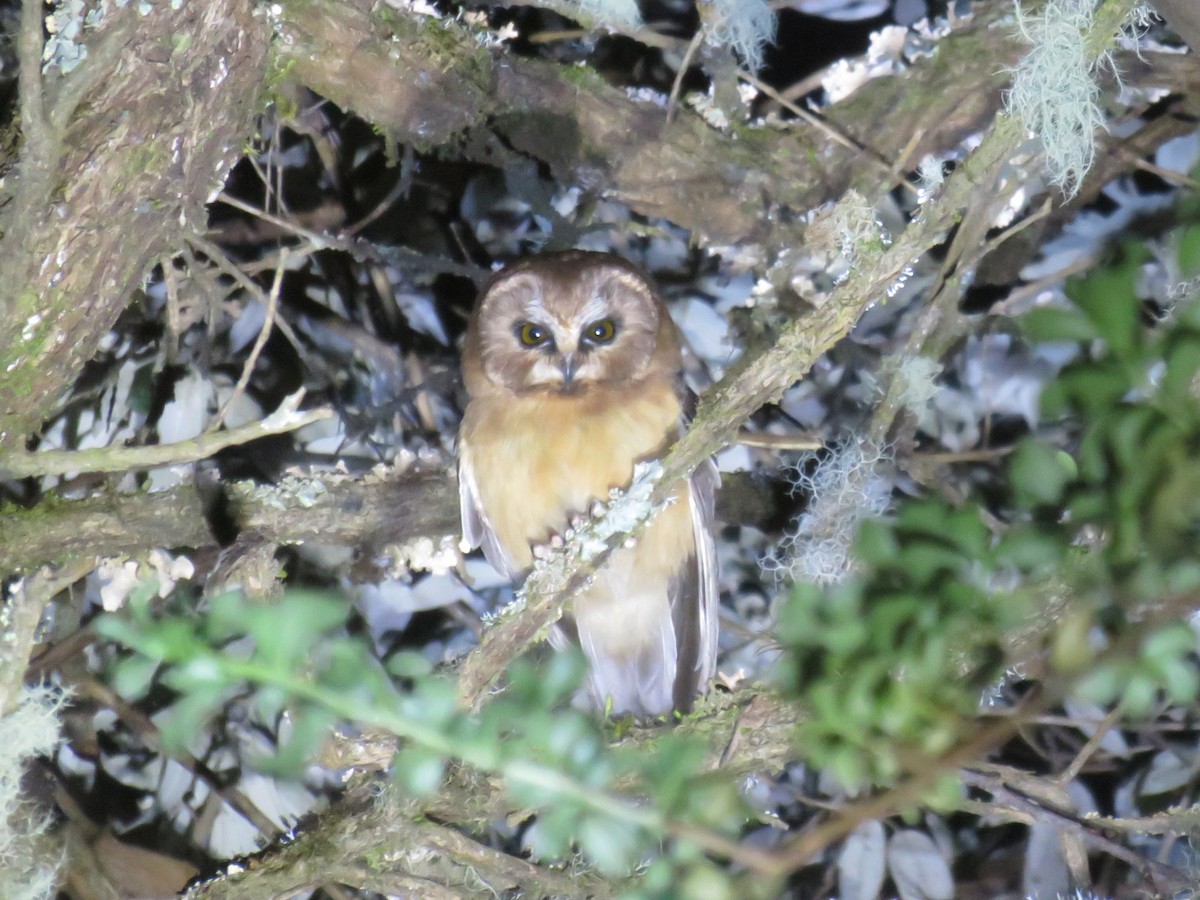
573 371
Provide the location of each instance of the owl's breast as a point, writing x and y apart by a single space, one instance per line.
537 459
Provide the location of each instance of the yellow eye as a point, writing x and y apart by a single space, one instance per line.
600 332
531 335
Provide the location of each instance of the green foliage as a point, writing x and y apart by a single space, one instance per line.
1134 391
296 657
890 663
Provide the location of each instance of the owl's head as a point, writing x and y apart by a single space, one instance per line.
566 322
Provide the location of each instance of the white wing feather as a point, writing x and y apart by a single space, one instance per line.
702 489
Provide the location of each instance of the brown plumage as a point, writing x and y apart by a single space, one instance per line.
572 365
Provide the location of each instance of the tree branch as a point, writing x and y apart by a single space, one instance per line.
722 186
285 419
760 380
421 856
98 196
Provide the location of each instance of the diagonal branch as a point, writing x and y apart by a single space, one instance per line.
761 380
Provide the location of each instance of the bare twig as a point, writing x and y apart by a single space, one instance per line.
803 849
259 343
835 134
765 440
288 417
1028 809
148 733
677 84
1071 772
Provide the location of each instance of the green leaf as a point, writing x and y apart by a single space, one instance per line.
1030 548
669 771
703 882
572 738
287 634
611 845
1139 694
876 543
1182 355
133 676
187 717
1108 298
1102 684
925 561
1048 323
561 675
551 835
1172 641
1180 680
418 770
226 616
1040 473
409 664
302 735
1189 250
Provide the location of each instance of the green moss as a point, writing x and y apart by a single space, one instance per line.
278 74
584 77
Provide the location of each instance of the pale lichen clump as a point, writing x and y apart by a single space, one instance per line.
847 487
116 578
1054 90
916 386
28 864
424 555
745 26
618 13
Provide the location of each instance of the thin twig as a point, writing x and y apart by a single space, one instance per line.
149 734
261 341
1071 772
677 84
808 846
1005 796
221 260
286 418
764 440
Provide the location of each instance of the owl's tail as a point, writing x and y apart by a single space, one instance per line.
634 666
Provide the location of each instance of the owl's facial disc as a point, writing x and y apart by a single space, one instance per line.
567 323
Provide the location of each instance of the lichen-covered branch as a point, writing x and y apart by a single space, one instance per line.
380 508
121 459
383 507
21 609
764 378
746 732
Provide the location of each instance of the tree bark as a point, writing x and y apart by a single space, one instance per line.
117 161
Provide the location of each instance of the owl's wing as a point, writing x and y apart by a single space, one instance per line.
694 593
477 530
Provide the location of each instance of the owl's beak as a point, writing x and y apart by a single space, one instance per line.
569 365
